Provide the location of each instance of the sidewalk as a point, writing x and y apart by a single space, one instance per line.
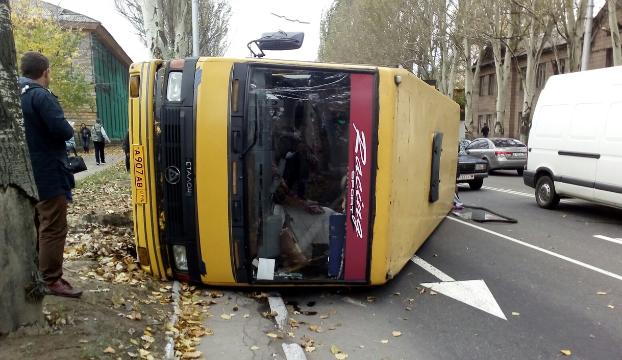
114 154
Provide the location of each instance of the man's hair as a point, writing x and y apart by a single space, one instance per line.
33 64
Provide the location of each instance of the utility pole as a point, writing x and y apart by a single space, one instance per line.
587 36
195 28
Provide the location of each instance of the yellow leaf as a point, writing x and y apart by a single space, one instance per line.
309 348
225 316
254 347
384 341
566 352
191 355
109 350
601 293
514 313
272 335
334 349
396 333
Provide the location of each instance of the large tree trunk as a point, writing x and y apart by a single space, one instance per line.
154 28
574 33
615 33
469 77
18 267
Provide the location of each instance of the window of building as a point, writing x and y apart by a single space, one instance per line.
609 58
559 67
540 75
492 84
482 85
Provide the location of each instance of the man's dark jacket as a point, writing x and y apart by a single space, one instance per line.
46 133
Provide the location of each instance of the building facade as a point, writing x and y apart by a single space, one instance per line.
105 65
552 62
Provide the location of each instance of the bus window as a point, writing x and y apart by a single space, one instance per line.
299 124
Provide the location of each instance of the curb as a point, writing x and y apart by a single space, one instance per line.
169 349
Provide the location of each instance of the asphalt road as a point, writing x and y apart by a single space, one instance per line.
559 287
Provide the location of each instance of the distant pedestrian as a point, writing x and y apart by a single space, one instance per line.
47 130
485 130
126 150
85 134
99 141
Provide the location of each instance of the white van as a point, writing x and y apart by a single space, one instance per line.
575 143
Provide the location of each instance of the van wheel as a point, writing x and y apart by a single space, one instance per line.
546 197
476 184
520 172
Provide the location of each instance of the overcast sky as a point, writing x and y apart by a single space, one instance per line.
250 19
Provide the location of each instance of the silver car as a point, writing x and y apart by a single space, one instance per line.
500 153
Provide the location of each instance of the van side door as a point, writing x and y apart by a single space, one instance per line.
578 154
608 185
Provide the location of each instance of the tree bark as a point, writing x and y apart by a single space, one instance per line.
18 195
615 32
154 29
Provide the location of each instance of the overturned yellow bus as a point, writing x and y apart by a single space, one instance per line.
266 172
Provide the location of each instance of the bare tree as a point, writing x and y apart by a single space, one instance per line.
539 20
571 26
615 31
166 29
18 195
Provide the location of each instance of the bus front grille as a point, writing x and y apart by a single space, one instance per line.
171 146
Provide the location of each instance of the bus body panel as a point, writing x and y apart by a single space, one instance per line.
141 129
412 218
212 170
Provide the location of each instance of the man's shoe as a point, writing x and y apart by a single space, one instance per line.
103 162
62 288
97 164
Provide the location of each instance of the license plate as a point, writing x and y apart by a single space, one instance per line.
138 155
466 177
519 154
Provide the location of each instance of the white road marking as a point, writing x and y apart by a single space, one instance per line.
471 292
293 351
537 248
278 306
508 191
431 269
607 238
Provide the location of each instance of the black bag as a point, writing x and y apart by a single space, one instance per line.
76 163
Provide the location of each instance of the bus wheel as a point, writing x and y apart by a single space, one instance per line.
546 197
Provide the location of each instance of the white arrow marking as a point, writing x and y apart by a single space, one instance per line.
471 292
607 238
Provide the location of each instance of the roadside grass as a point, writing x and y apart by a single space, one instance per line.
112 174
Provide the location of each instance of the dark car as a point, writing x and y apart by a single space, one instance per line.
471 170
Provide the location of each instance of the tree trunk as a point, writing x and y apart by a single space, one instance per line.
574 33
18 195
154 29
468 85
615 33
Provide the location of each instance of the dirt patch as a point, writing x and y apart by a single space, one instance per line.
123 313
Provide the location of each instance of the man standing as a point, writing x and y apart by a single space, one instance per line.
46 133
485 130
99 141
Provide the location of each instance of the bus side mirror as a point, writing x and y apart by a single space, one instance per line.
277 41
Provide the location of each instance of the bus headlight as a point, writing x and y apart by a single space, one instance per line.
480 167
181 260
173 90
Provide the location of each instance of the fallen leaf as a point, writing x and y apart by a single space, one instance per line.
246 316
309 349
325 316
341 356
396 333
132 355
514 313
611 306
384 341
109 350
397 293
143 353
432 292
566 352
315 328
191 355
601 293
272 335
334 349
254 347
83 341
225 316
408 308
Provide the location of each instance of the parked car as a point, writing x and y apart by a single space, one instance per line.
575 142
471 170
500 153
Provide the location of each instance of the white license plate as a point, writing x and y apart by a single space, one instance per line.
466 177
519 154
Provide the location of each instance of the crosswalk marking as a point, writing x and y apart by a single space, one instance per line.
607 238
